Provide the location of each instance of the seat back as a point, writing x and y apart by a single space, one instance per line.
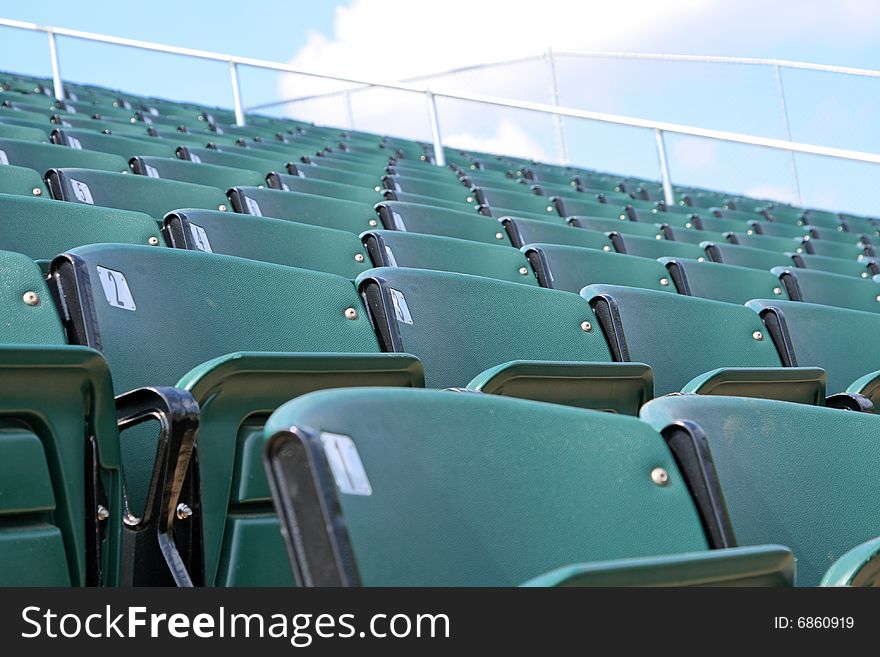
571 268
304 208
680 337
841 341
42 157
290 183
814 286
646 247
460 325
151 196
211 175
746 256
766 455
22 182
534 231
395 248
714 280
416 218
125 147
269 240
445 482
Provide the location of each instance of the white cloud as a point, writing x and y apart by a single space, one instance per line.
695 153
771 192
509 138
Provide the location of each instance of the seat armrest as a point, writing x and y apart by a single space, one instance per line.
805 385
858 567
616 387
762 565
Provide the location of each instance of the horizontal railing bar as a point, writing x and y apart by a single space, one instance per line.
767 142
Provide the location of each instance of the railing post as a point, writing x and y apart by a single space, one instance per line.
236 93
349 113
668 194
561 146
439 155
777 73
56 66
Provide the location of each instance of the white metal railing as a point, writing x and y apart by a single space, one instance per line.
659 128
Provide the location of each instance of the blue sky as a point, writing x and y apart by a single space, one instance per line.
391 39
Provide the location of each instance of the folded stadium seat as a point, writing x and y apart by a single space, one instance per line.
674 219
417 218
433 201
303 208
571 268
410 492
21 132
811 335
501 337
288 182
568 207
62 505
106 127
720 225
726 346
647 247
126 147
43 228
414 170
768 243
862 266
776 229
843 237
529 231
394 248
746 256
278 241
834 249
689 235
765 456
41 157
730 283
313 172
451 191
734 215
639 228
230 159
211 175
814 286
118 299
151 196
514 200
856 224
10 120
22 181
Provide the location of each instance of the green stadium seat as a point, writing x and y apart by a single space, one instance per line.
304 208
690 235
8 131
529 231
834 249
211 175
646 247
62 506
395 248
268 240
639 228
263 349
41 229
335 175
151 196
261 165
433 201
22 181
710 222
421 503
765 456
571 268
288 182
495 336
430 220
861 266
746 256
514 200
839 340
123 146
568 207
42 157
451 191
698 345
730 283
814 286
768 243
